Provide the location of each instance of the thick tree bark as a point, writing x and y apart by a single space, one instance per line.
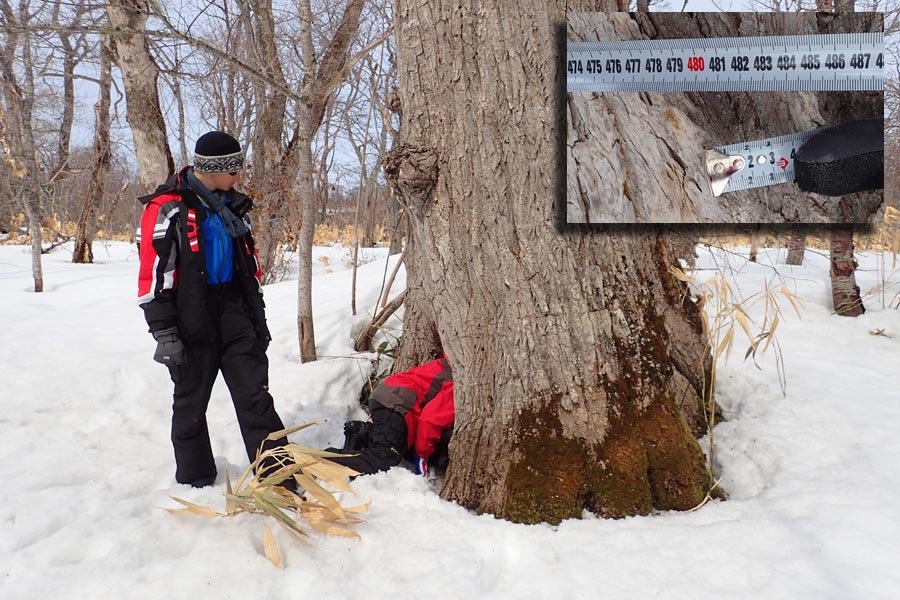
638 157
139 76
844 291
84 233
570 350
420 342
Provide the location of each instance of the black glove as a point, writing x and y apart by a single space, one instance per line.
169 349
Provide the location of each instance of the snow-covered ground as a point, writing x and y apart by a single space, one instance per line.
86 464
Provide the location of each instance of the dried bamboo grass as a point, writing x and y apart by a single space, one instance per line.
261 492
722 313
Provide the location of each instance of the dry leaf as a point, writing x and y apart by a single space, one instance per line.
271 547
193 509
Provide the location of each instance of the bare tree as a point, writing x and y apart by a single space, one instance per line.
321 79
16 125
84 234
131 51
273 168
756 237
72 54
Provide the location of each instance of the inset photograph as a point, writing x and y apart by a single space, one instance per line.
724 118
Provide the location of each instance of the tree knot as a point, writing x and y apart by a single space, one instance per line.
412 172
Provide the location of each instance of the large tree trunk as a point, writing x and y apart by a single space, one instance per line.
84 233
570 350
844 291
637 157
139 76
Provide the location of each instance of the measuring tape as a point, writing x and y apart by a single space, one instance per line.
754 164
846 61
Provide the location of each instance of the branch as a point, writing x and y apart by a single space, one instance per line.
341 75
364 340
171 34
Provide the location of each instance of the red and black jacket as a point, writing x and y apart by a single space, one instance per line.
424 395
172 281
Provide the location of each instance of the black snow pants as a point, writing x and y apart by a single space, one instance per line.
387 446
242 359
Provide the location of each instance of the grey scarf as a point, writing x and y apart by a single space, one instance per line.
217 200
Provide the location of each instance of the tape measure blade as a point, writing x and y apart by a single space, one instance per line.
828 62
746 181
769 161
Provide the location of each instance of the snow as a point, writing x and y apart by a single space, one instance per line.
86 463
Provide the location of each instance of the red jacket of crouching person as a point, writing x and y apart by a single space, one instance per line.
424 395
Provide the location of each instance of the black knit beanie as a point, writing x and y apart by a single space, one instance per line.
217 152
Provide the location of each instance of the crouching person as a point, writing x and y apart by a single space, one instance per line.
412 415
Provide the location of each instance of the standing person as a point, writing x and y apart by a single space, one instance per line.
199 286
412 415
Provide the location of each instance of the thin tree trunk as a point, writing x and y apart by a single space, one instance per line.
390 282
305 328
182 136
272 167
84 233
323 173
755 237
139 76
65 126
796 246
329 72
18 135
844 291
